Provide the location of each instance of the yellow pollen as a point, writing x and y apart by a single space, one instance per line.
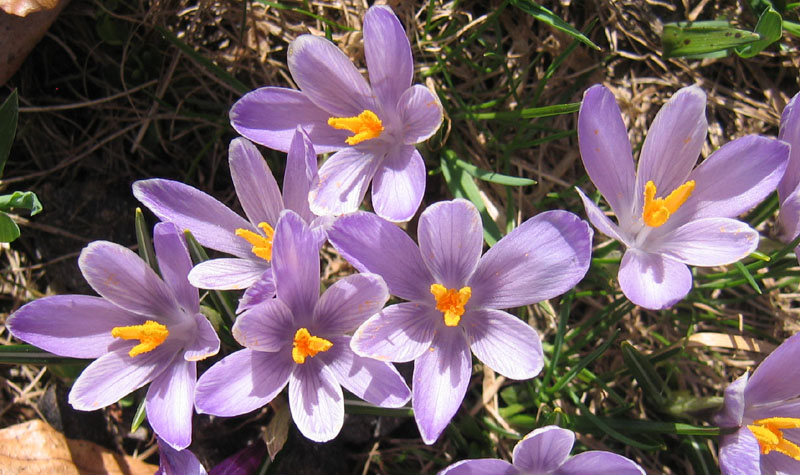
306 345
262 245
658 210
150 335
365 126
451 302
770 437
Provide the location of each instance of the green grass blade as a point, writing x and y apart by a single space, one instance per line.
29 354
140 415
546 16
768 28
146 250
690 39
9 112
529 113
493 177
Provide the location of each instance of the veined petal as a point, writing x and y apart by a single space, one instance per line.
481 467
420 113
266 327
400 333
349 302
372 244
262 290
388 53
776 378
606 150
255 186
708 242
542 258
544 450
170 403
328 78
790 133
599 220
270 116
732 411
205 343
227 273
441 377
295 264
300 173
398 184
175 263
653 281
739 453
242 382
450 236
177 462
598 461
504 343
212 223
316 401
342 182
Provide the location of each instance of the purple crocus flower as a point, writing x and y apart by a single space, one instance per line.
215 226
544 451
177 462
455 295
371 127
691 221
300 338
789 187
143 329
764 410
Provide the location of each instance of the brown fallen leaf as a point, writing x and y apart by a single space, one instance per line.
34 447
24 7
734 342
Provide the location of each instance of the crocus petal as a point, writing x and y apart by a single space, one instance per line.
124 279
177 462
372 244
653 281
480 467
115 375
776 463
300 173
174 263
242 382
227 273
673 142
420 112
374 381
212 223
606 150
244 462
599 220
450 237
542 258
205 343
266 327
328 78
262 290
270 116
398 184
255 186
790 133
789 217
732 411
388 54
170 403
708 242
739 453
316 401
776 377
400 333
350 302
441 377
342 182
544 450
78 326
597 462
295 264
504 343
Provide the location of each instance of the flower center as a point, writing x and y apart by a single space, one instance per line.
769 436
306 345
365 126
150 335
658 210
451 302
262 245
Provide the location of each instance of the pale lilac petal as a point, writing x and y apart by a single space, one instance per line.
316 401
790 133
116 374
673 143
174 263
170 403
739 453
228 273
598 462
421 114
295 264
349 302
599 220
653 281
262 290
542 258
266 327
708 242
374 381
450 237
441 377
481 467
300 173
205 343
124 279
388 54
399 184
255 186
789 217
504 343
732 411
400 333
328 78
242 382
372 244
212 223
776 378
342 182
606 150
270 116
544 450
78 326
177 462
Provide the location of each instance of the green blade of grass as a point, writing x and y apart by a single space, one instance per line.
690 39
9 112
529 113
493 177
29 354
146 251
546 16
140 415
769 30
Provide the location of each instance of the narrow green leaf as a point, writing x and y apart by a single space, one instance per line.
493 177
8 228
768 28
221 299
140 415
703 462
146 251
529 113
748 276
689 39
352 406
791 27
564 380
607 429
645 374
8 126
546 16
21 200
29 354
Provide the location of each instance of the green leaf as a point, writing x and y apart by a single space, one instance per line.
29 354
493 177
8 228
21 200
645 374
768 28
546 16
791 27
8 126
696 38
529 113
748 276
146 251
140 415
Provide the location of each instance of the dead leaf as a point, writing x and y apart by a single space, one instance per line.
24 7
734 342
277 430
